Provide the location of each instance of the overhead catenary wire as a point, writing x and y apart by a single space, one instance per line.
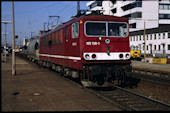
69 11
39 19
63 8
37 9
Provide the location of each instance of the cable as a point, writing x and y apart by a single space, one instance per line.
38 9
64 8
56 14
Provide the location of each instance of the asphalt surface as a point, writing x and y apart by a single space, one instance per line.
35 88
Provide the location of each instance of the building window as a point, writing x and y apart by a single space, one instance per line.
161 6
159 47
134 15
155 37
132 5
161 16
147 47
151 37
168 47
136 38
164 6
140 37
159 37
97 3
164 16
133 25
154 47
113 1
163 36
169 35
114 10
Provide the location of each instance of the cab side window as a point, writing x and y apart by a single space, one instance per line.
75 30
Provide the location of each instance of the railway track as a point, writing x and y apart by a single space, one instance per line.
132 101
125 99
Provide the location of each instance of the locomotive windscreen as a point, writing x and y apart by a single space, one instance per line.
109 29
117 29
98 29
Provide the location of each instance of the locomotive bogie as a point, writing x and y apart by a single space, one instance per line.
70 72
102 74
53 67
75 74
59 69
67 72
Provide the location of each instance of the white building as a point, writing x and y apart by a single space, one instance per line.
154 16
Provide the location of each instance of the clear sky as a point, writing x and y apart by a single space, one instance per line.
31 15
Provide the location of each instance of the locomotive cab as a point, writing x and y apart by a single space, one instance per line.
105 50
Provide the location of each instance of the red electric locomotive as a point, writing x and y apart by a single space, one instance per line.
94 48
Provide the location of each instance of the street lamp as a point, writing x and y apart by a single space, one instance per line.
5 22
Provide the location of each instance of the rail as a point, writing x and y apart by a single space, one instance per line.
156 76
133 101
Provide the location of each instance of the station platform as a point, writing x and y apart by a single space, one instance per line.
34 88
150 66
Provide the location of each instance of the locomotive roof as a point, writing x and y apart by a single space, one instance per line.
88 17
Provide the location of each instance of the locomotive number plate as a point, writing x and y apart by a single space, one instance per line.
92 43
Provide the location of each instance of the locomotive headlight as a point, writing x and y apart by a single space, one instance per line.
127 55
87 57
121 56
93 56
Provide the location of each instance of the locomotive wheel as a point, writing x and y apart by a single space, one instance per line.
100 80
